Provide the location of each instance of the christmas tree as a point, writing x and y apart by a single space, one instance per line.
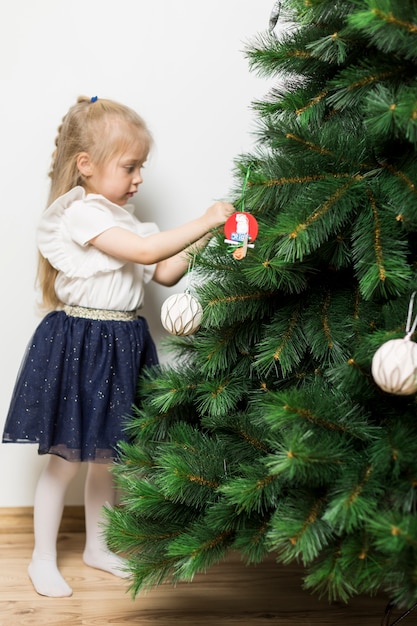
268 432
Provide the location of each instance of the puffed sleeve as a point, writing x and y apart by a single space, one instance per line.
71 222
85 220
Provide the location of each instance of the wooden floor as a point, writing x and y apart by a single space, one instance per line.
230 593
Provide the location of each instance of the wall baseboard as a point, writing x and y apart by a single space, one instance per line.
20 520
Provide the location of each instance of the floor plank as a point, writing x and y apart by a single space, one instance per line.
229 594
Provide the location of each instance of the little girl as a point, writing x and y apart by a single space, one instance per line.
79 377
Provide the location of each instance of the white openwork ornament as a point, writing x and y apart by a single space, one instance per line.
181 314
394 365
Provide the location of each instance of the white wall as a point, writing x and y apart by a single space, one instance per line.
181 66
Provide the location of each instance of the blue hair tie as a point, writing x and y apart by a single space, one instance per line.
94 99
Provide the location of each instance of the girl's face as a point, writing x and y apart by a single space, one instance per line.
119 178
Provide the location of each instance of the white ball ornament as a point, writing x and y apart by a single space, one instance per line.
181 314
394 366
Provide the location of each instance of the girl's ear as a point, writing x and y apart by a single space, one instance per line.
84 164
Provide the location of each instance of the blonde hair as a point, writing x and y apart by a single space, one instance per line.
102 128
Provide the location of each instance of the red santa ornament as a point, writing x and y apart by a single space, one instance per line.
241 230
394 364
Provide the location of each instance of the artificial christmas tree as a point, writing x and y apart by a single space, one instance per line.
268 433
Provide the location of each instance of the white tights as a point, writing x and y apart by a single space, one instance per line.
49 504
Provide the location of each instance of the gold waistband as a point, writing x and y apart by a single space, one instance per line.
100 314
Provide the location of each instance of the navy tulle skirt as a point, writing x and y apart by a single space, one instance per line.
77 384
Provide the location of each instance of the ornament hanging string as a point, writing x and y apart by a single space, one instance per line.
190 269
410 328
245 184
274 17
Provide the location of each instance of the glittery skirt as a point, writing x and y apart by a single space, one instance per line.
77 384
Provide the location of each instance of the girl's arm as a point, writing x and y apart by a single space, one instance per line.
169 271
123 244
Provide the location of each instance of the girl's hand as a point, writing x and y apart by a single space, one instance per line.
218 213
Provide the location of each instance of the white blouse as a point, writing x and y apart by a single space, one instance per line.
86 276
